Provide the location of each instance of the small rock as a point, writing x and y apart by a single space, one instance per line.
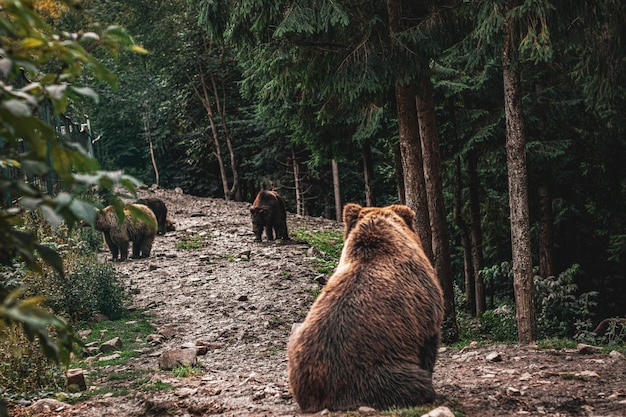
525 376
111 345
168 332
494 357
366 410
185 392
320 279
590 374
242 298
47 405
84 333
76 377
245 255
177 357
109 358
154 339
616 355
513 391
585 349
440 412
98 317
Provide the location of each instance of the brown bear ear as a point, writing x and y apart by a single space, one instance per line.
351 213
407 214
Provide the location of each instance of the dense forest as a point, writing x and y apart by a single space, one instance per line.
506 105
499 122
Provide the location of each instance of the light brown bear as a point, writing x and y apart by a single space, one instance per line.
372 335
118 235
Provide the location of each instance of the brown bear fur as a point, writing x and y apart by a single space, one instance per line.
371 337
159 209
268 212
118 235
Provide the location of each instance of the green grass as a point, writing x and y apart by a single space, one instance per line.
329 244
185 371
191 242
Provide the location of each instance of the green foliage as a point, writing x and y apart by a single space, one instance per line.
558 304
88 288
31 149
499 324
24 369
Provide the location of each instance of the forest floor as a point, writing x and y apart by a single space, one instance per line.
240 298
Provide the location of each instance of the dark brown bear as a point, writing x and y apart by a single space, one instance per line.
268 212
159 209
372 335
132 229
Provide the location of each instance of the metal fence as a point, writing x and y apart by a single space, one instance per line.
69 130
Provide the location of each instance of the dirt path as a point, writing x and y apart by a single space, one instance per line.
241 298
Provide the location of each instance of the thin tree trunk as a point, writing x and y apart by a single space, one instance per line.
397 160
206 102
412 165
296 181
476 232
368 174
457 209
546 246
146 127
234 192
523 284
434 188
336 190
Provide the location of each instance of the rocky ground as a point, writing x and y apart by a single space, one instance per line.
240 298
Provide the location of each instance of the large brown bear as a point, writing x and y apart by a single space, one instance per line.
159 209
268 212
132 229
372 335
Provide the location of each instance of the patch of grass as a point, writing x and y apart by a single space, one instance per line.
327 242
158 385
191 242
185 371
557 344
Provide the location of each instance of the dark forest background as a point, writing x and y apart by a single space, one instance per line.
234 97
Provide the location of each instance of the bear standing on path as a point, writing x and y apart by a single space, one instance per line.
160 211
132 229
372 335
268 212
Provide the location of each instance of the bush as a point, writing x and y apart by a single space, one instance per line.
23 366
88 288
559 307
500 324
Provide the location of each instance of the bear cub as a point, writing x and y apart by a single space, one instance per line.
371 337
268 212
133 229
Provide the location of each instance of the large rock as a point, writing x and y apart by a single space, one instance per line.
177 357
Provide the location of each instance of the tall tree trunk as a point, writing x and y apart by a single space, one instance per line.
546 246
410 146
412 164
523 284
457 212
296 181
368 174
397 161
476 231
425 102
336 189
